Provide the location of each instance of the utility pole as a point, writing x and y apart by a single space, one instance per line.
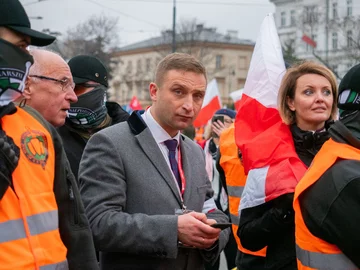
173 28
327 31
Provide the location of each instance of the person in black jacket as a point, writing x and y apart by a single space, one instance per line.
307 101
91 112
330 206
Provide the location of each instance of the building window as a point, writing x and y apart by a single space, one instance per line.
218 60
221 85
335 10
129 67
130 91
145 92
148 64
242 62
349 7
138 66
310 15
334 41
292 18
283 18
349 38
240 83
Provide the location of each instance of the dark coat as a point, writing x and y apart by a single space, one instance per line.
74 144
272 224
131 204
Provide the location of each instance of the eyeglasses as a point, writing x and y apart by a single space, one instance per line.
65 83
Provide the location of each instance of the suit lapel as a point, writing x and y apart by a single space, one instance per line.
185 150
152 151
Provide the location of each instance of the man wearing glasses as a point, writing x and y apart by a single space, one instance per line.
42 221
50 89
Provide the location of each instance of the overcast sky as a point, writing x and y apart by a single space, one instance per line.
142 19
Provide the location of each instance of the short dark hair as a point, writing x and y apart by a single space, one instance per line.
178 61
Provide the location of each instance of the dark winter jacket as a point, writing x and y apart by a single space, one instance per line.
272 224
74 143
334 216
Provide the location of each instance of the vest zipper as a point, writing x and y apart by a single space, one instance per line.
74 205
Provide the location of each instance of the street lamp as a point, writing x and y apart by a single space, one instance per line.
174 28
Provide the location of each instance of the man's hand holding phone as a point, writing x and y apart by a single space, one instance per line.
194 230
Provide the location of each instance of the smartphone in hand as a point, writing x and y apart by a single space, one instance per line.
221 226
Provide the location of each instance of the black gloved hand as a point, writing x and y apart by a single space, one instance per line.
9 153
283 206
9 158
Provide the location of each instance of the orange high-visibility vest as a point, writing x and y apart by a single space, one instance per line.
311 251
235 182
29 227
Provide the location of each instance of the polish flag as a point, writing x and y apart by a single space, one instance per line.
309 41
135 104
211 104
266 143
236 97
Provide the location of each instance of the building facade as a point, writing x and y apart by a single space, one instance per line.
332 24
226 58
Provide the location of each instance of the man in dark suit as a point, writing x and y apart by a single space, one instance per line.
144 185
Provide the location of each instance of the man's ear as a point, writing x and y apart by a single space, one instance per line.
28 89
153 89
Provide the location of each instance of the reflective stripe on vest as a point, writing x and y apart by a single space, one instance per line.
29 222
311 251
39 223
235 181
234 219
318 260
57 266
235 191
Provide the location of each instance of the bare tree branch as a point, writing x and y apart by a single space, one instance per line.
97 36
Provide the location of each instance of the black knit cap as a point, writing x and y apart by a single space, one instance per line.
14 17
86 68
349 90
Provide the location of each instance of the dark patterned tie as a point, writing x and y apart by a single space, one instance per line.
171 145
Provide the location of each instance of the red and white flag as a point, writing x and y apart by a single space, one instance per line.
211 104
135 104
236 97
266 143
309 41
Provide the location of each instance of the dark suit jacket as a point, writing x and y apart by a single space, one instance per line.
130 198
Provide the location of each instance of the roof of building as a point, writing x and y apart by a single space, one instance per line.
201 34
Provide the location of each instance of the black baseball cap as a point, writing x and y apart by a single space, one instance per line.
14 17
86 68
349 90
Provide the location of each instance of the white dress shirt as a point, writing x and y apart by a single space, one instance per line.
160 136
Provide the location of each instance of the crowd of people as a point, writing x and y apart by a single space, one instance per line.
85 185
